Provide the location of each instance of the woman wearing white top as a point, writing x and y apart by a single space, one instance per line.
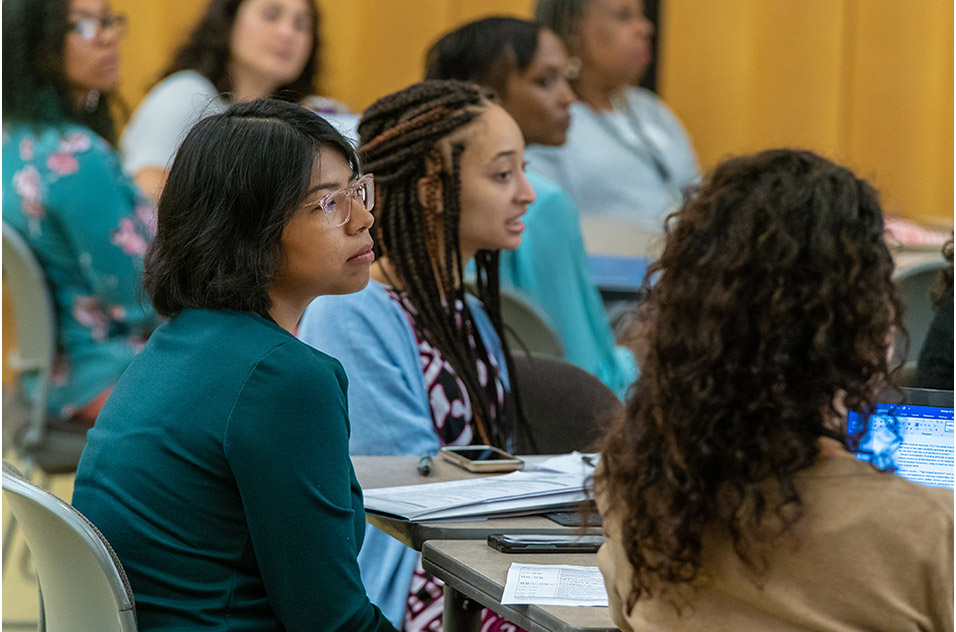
240 50
627 156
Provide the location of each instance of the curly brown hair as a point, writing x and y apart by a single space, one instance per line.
772 302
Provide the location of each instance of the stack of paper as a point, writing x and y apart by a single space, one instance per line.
554 484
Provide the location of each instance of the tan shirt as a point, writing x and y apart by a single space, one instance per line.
872 552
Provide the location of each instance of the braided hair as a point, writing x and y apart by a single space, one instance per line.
413 136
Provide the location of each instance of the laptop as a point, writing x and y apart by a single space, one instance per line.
911 432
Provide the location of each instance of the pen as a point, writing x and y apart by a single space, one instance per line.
425 465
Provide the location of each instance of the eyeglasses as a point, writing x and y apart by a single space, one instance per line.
91 28
338 204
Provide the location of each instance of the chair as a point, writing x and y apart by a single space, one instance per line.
915 285
83 585
567 407
42 442
527 327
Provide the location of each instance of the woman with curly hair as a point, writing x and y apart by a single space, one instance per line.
730 499
428 365
240 50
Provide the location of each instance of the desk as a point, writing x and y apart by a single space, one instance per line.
475 571
394 471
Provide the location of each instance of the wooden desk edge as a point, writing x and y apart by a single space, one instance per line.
488 592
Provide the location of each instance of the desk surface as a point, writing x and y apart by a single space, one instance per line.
394 471
479 572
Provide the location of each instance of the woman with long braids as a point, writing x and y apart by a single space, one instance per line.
730 499
427 364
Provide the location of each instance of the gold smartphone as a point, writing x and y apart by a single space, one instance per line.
481 458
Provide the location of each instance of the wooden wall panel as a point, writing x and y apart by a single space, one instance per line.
899 122
867 83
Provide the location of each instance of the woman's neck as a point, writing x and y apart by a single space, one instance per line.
595 92
248 86
286 312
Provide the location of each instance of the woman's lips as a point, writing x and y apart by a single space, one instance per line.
365 255
516 224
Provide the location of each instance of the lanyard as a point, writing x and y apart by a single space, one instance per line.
646 150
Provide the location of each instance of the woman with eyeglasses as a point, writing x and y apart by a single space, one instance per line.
428 363
240 50
65 193
627 157
219 468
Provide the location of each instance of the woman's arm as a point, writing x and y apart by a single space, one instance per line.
287 444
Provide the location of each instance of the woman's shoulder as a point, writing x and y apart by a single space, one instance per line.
373 302
184 82
857 482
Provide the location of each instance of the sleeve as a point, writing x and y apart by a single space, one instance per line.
108 226
287 444
388 402
389 412
161 122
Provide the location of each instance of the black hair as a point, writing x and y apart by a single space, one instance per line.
485 51
35 88
236 181
207 51
402 138
560 15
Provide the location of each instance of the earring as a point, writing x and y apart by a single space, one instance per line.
573 69
92 100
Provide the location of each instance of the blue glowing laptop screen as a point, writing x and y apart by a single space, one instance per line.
917 440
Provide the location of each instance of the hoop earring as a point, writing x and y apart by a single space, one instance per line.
573 68
92 100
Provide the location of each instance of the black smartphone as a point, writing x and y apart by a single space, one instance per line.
545 543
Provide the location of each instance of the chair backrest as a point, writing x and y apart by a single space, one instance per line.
35 325
915 285
527 327
83 583
567 407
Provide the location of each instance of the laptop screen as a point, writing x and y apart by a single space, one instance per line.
915 437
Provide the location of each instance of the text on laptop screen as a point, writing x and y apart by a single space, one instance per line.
924 453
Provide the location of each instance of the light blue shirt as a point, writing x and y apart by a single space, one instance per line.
612 161
162 120
389 410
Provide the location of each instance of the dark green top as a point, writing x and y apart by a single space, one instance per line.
219 471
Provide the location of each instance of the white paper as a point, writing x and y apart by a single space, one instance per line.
554 585
515 492
574 463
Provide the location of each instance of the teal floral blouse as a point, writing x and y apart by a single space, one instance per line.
88 225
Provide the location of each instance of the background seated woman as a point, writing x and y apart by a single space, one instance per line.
219 467
730 499
524 64
240 50
66 195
